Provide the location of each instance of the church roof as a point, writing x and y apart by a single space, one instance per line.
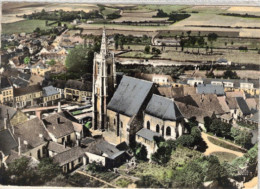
130 95
163 108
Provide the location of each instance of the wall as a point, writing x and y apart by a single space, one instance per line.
18 118
6 95
96 158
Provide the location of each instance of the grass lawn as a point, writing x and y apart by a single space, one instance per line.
224 156
108 11
225 145
123 182
136 54
165 8
26 26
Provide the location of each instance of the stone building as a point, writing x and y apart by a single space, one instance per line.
125 110
104 83
6 90
77 90
28 96
51 96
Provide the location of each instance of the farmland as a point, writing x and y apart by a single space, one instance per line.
23 26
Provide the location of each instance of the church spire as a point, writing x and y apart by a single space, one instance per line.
103 49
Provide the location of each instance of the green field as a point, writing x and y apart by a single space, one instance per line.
165 8
108 11
224 156
26 26
136 54
225 145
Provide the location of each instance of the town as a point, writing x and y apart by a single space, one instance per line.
84 104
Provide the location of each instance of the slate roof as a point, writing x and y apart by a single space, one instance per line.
163 108
210 89
4 83
56 147
3 114
49 91
68 156
63 128
103 148
78 85
27 90
7 142
130 95
255 118
24 76
19 82
147 134
243 106
33 132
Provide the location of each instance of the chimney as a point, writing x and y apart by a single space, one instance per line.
19 146
59 107
5 123
58 120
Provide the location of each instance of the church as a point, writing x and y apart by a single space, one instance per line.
121 111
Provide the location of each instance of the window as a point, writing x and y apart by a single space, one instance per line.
121 124
108 69
168 131
157 128
148 125
39 154
115 121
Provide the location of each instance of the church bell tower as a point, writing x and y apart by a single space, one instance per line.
104 83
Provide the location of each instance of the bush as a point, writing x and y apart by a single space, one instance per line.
242 137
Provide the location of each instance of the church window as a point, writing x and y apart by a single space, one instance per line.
168 131
121 124
148 125
157 128
114 121
108 69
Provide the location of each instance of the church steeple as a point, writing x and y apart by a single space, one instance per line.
103 49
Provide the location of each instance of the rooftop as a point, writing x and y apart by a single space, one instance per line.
147 134
7 142
49 91
210 89
130 95
27 90
163 108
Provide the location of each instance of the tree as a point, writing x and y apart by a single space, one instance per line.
242 137
140 152
147 49
80 60
201 43
20 173
26 60
230 74
47 169
211 38
52 62
182 43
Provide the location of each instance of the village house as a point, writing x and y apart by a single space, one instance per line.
210 89
60 129
243 110
70 159
7 143
10 115
104 153
126 105
32 138
55 148
6 90
40 69
50 96
28 96
77 90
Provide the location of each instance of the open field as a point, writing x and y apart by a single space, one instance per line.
10 10
26 26
224 156
165 8
109 10
136 54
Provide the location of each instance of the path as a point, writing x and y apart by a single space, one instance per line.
98 179
215 148
252 184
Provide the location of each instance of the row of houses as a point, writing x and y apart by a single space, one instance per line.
35 95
